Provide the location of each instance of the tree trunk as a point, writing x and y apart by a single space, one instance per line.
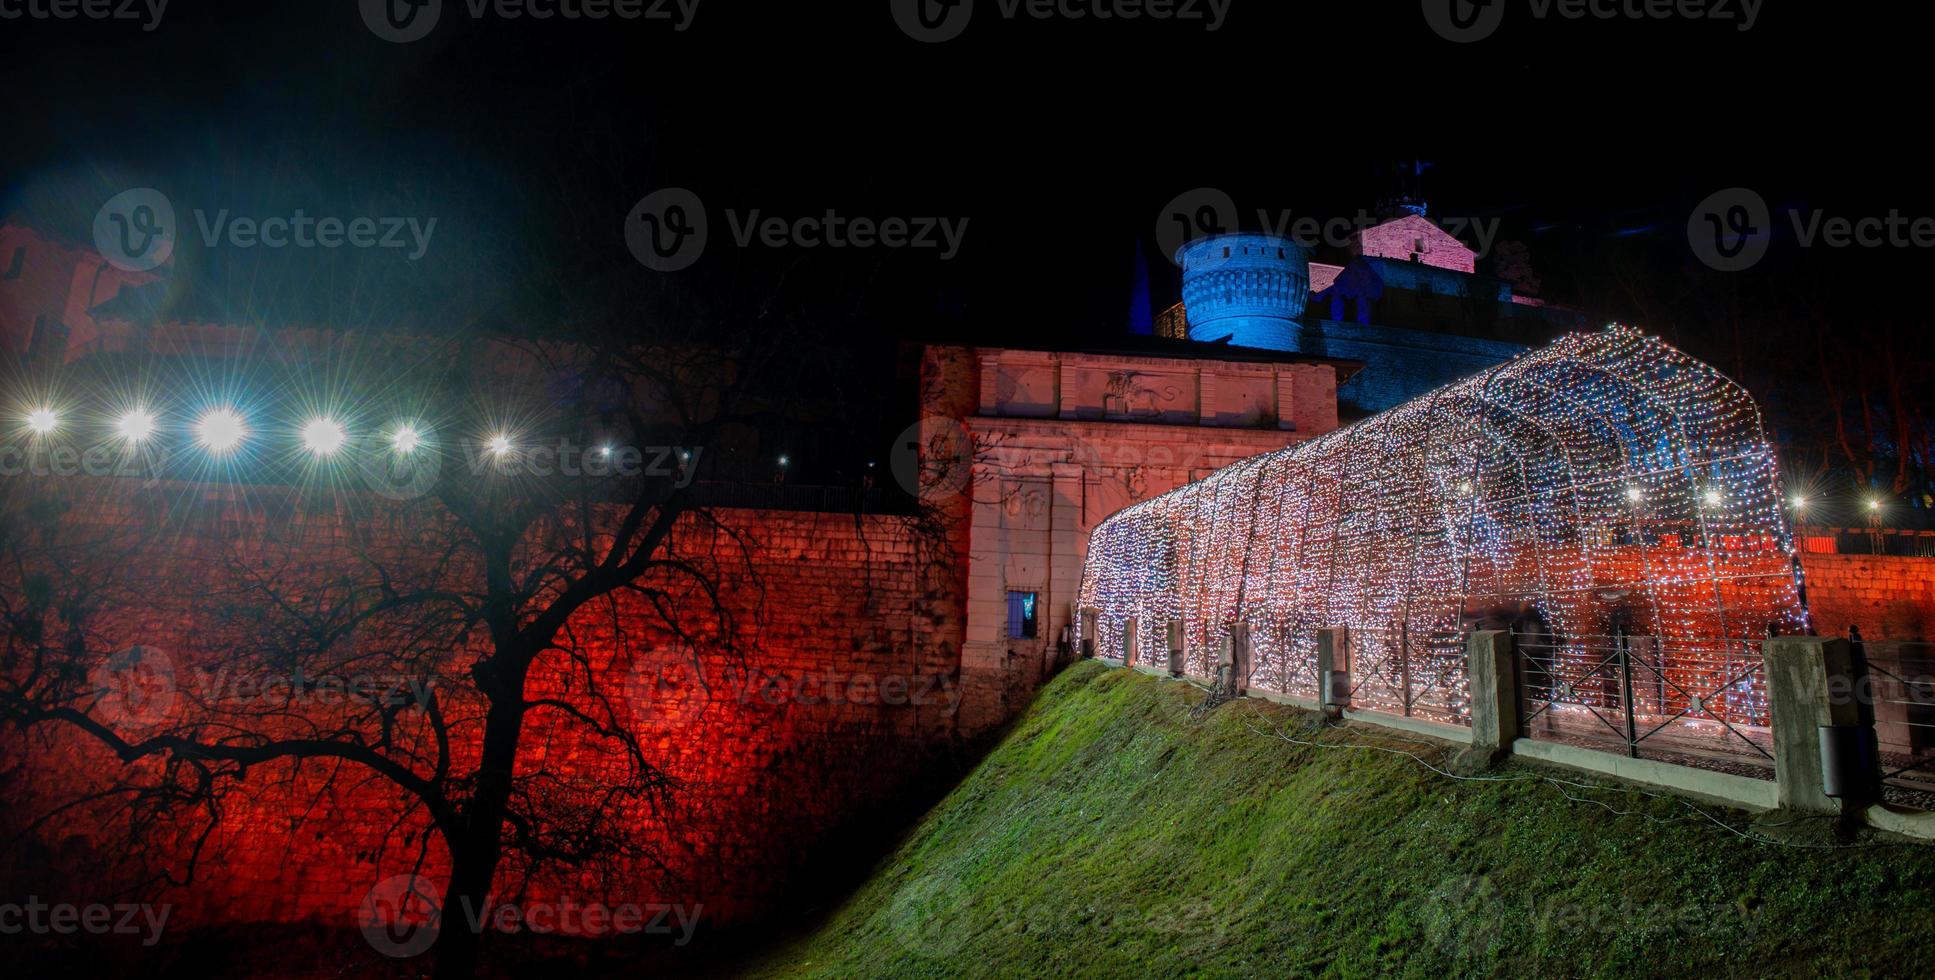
474 858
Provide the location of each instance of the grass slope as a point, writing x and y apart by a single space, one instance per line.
1110 834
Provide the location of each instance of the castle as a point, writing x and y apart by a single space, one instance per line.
1018 454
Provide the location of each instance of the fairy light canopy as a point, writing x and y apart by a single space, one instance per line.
1606 482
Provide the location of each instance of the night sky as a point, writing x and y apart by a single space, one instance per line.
1053 145
1058 141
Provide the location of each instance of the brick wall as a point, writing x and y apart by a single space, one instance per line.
1417 239
1890 597
849 680
837 699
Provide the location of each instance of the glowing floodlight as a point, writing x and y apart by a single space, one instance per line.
1713 498
324 436
221 431
1800 502
135 425
43 421
1635 494
500 445
406 440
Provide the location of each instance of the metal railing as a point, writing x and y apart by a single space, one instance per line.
1419 674
1901 689
1899 542
1697 702
1414 673
1286 661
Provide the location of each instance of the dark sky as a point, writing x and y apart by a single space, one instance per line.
1059 141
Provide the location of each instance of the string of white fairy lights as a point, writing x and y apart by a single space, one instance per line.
222 430
1606 481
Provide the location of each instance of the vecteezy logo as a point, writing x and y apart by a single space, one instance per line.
1461 915
1464 21
135 229
135 687
933 21
927 916
666 689
400 916
401 21
1194 214
1730 230
666 230
933 459
400 476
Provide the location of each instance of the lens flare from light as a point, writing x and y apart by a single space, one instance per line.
221 431
43 421
324 436
136 425
406 439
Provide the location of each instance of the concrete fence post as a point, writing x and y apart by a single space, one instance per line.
1225 662
1175 648
1240 658
1130 640
1089 617
1811 694
1493 678
1333 669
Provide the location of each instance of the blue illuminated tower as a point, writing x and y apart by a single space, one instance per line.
1246 288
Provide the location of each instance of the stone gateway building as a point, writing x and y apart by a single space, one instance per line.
1062 439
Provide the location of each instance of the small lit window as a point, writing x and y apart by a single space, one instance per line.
1021 615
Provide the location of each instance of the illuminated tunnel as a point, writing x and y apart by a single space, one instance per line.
1604 486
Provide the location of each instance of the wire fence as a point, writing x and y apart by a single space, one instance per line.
1414 673
1698 702
1900 687
1688 701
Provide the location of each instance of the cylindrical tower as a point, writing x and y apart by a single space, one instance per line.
1248 288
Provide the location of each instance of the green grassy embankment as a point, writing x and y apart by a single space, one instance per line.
1110 833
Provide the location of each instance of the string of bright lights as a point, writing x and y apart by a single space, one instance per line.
1606 481
223 431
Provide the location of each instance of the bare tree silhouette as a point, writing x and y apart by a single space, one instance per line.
400 619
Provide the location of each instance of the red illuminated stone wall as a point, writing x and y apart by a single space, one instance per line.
849 684
1890 597
844 690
